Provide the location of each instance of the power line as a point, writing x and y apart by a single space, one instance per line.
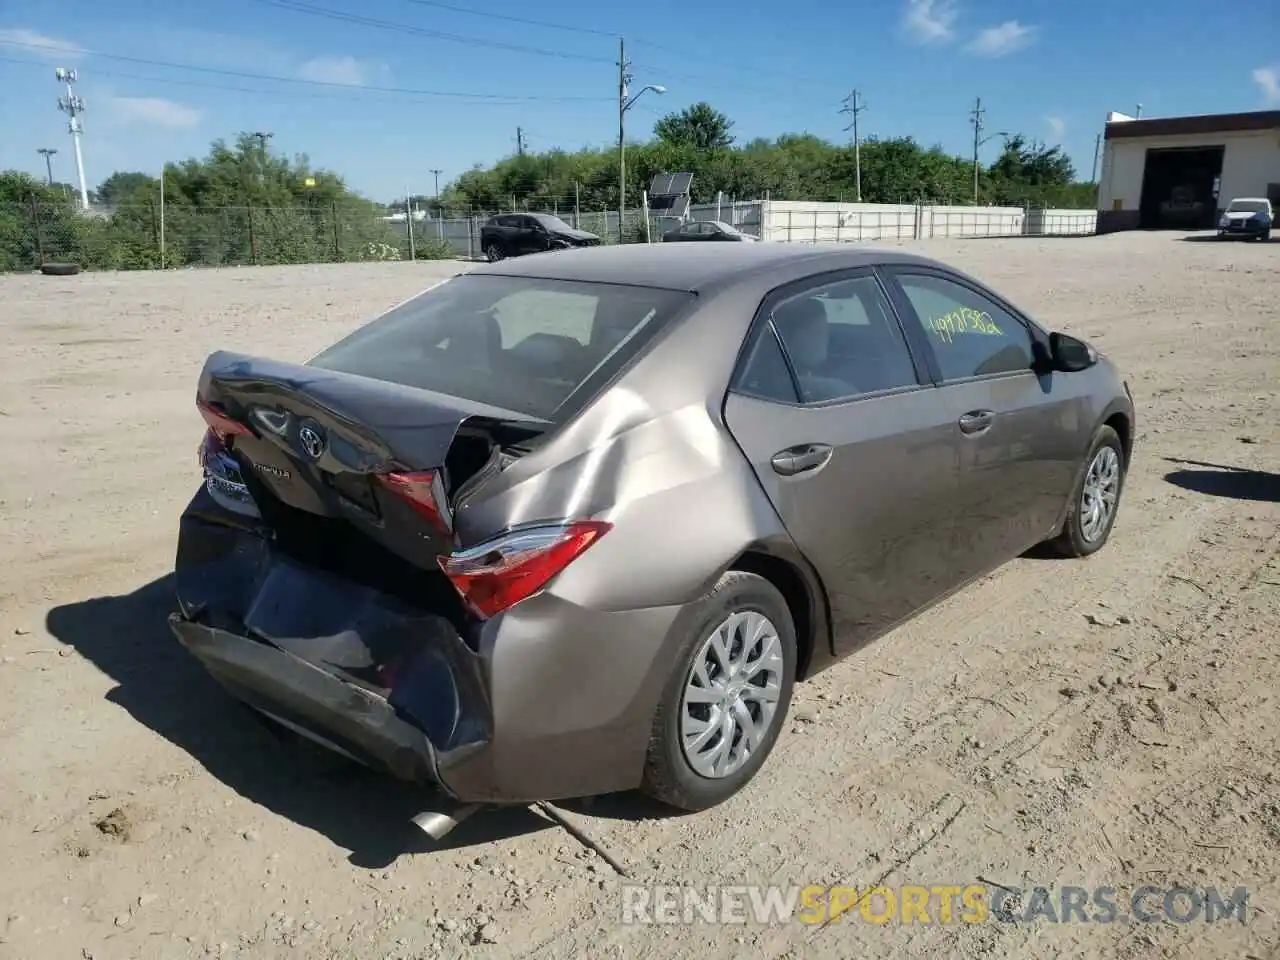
329 84
344 17
594 32
507 18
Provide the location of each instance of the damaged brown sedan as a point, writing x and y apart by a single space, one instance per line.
577 524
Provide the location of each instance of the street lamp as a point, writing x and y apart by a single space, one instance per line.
48 153
625 103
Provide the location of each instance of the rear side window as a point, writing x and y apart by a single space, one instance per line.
843 341
765 374
536 347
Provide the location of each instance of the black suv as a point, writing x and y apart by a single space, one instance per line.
515 234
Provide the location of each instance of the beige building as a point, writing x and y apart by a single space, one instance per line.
1180 172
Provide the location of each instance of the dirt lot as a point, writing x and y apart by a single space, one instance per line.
1111 722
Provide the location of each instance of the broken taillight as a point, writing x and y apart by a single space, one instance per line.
499 574
424 492
222 425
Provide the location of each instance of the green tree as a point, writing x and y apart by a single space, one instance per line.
122 186
700 126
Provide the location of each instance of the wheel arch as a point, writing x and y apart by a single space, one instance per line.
805 595
1119 421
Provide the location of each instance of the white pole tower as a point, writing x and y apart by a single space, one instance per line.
73 106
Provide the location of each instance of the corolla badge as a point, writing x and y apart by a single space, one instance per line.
311 439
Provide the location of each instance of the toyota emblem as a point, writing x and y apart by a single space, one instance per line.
311 438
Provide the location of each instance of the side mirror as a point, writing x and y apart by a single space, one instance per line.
1070 354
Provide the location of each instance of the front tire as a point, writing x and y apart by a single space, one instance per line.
724 704
1095 502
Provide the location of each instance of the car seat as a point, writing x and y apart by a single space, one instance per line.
806 333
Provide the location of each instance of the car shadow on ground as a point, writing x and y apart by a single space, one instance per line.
164 688
1214 238
1217 480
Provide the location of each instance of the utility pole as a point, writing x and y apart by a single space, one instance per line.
47 153
976 116
625 103
853 105
73 106
262 137
1097 149
520 143
622 135
437 199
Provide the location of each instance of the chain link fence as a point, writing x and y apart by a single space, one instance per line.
145 237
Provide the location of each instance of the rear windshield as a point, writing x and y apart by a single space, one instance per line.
1247 206
536 347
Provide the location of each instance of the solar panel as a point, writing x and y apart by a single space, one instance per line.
669 206
670 184
681 182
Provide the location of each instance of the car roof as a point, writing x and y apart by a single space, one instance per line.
692 267
1250 200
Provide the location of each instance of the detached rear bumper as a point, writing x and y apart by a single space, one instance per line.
545 701
342 715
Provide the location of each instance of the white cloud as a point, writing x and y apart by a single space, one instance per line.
347 71
41 44
930 21
153 112
1268 79
1002 39
1057 127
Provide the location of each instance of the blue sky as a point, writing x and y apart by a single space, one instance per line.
353 89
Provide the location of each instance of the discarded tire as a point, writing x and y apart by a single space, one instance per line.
60 269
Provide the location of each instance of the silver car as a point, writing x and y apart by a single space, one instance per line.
570 525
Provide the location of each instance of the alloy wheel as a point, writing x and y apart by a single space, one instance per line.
731 694
1099 494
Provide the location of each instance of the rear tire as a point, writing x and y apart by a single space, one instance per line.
751 618
493 253
1083 534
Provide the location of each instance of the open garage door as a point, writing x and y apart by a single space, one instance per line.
1179 188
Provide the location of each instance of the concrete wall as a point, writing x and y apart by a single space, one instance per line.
1250 161
1061 223
798 221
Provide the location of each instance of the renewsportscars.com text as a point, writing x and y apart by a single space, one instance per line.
936 904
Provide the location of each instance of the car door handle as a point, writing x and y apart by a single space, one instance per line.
799 459
976 421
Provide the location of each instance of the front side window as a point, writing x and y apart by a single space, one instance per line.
522 344
971 336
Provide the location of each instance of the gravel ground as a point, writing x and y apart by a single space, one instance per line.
1110 722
